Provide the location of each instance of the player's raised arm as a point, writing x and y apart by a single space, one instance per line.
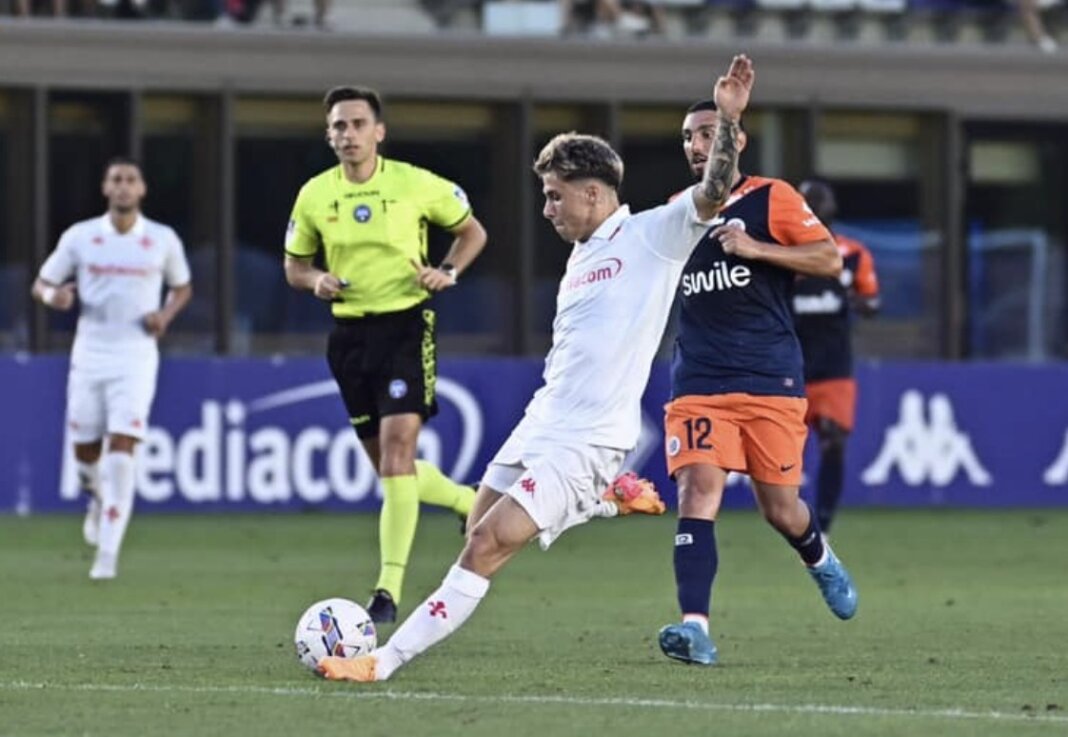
732 96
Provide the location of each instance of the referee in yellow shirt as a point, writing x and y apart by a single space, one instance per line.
369 215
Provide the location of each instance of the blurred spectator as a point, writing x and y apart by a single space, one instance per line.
1031 15
605 18
25 8
246 11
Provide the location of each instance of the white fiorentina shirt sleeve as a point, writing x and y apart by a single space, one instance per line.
176 271
120 280
611 310
62 263
680 223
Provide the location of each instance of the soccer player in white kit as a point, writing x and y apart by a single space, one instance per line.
611 310
118 263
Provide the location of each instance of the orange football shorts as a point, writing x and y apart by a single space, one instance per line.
763 436
835 399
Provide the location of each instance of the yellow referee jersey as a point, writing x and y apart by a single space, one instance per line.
371 232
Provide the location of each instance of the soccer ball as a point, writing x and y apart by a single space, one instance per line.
334 627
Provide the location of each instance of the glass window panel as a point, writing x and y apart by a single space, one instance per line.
179 159
1017 260
287 133
873 161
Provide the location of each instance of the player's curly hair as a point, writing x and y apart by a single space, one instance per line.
574 155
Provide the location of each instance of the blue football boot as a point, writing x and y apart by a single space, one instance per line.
835 585
688 643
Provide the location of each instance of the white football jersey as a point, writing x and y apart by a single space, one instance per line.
120 278
611 310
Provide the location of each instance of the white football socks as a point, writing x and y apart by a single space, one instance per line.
702 620
89 480
435 619
88 477
116 500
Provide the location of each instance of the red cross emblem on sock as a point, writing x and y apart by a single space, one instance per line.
438 608
528 485
113 513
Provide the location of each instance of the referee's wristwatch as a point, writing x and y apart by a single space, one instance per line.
448 270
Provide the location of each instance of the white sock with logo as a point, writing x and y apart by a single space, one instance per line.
116 500
439 616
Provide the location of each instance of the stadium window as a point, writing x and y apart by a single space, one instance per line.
178 153
875 163
1017 260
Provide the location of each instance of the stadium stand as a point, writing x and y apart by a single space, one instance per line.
1039 22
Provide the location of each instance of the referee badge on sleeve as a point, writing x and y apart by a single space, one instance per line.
459 194
291 231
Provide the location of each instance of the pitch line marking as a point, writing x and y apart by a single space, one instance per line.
390 695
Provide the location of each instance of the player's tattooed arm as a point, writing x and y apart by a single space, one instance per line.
732 97
722 163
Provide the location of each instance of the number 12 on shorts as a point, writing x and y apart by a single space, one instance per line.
697 431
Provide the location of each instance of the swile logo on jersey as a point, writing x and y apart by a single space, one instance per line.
720 277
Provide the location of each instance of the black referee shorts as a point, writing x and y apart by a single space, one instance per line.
384 365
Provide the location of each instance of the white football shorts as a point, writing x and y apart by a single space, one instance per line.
110 398
559 486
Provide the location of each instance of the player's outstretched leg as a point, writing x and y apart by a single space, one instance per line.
431 622
502 532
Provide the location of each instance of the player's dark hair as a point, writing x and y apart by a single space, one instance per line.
573 156
700 105
710 105
820 198
122 160
343 94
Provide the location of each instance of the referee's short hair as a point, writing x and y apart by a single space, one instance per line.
573 156
342 94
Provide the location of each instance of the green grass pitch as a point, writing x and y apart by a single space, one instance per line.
962 630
